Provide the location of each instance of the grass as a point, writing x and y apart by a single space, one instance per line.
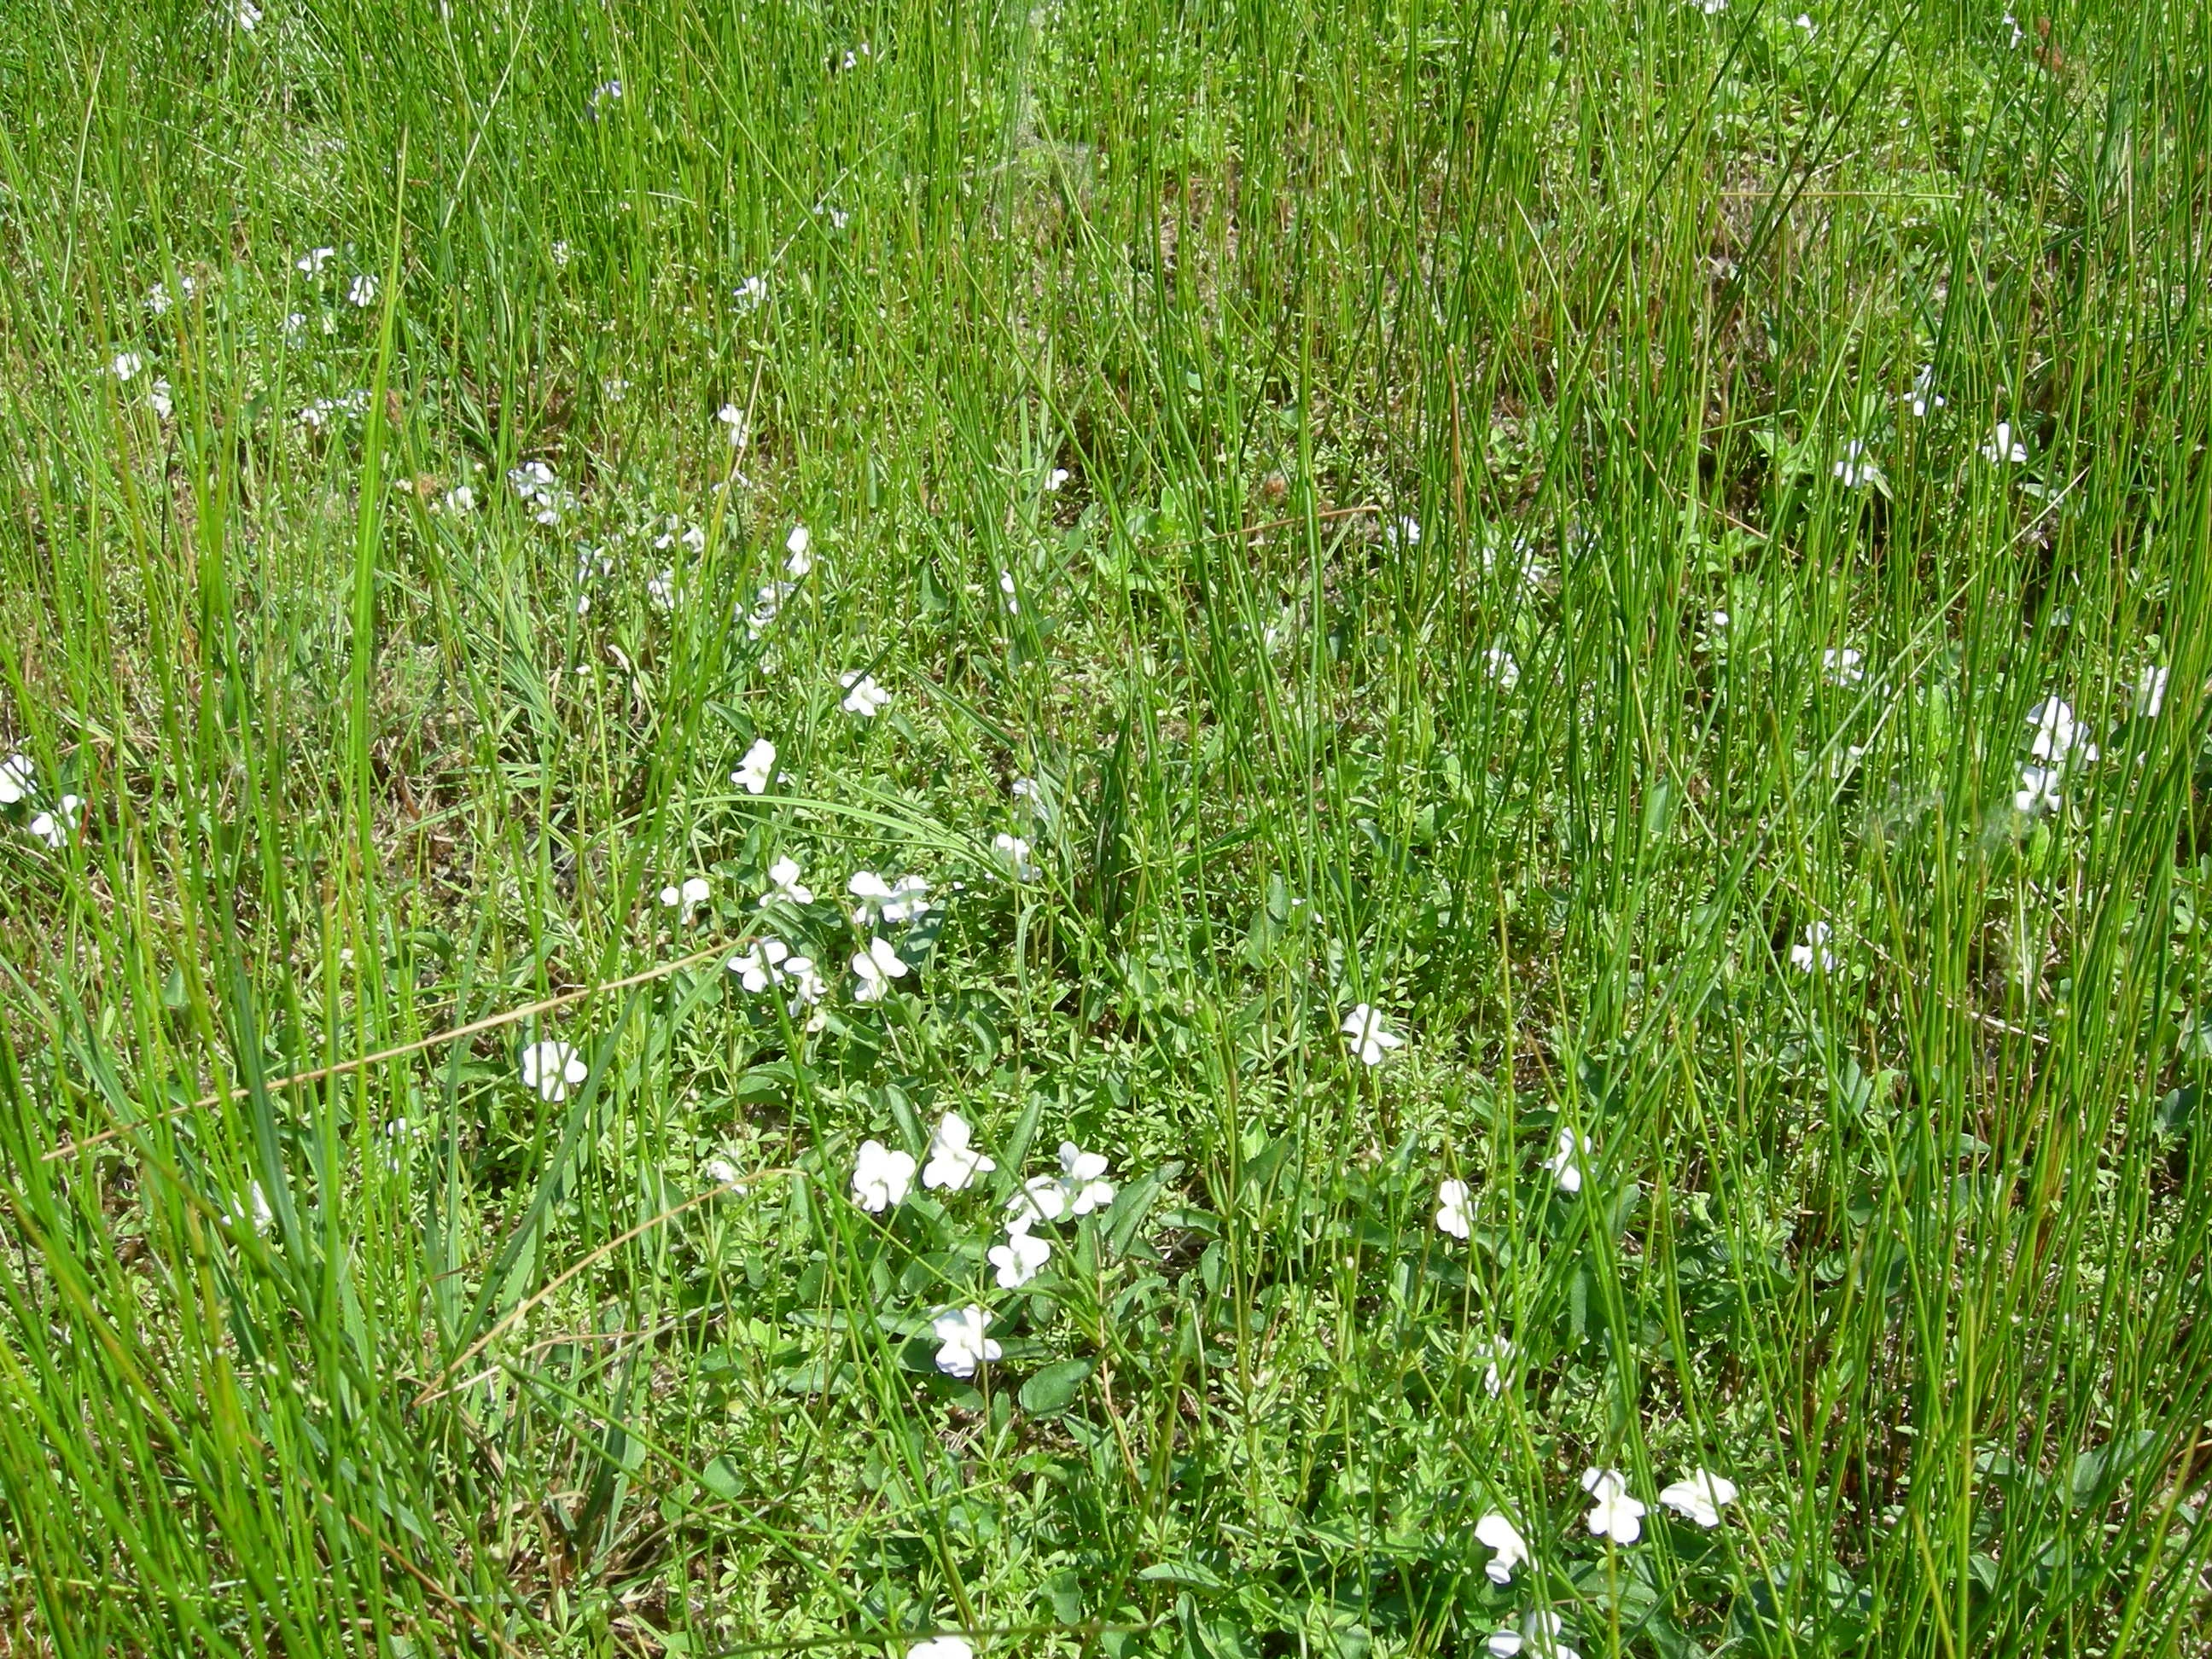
1415 440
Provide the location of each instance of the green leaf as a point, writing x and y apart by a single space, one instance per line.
1053 1389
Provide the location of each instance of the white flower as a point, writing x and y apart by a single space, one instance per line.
2039 790
798 548
963 1345
881 1176
1013 852
1498 1372
1503 668
560 251
248 15
863 697
1614 1514
2002 446
1496 1533
894 901
1566 1163
807 989
761 966
1370 1037
1701 1497
1028 795
733 423
1804 21
158 397
750 295
1057 476
873 970
687 898
126 365
758 766
552 1069
262 1215
1402 533
1710 8
460 501
53 827
953 1164
1452 1213
1923 396
2057 735
1854 469
14 779
1843 667
313 261
1020 1258
361 291
540 490
837 217
661 590
1007 587
723 1171
783 876
1077 1189
941 1647
1539 1635
2150 694
1814 951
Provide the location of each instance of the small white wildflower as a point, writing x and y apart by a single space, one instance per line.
1077 1189
1496 1533
881 1177
16 779
553 1069
1369 1037
1401 534
953 1163
126 365
53 827
798 555
1804 21
807 989
2003 447
661 590
1854 468
1503 668
895 902
1055 479
757 767
1924 396
606 92
1539 1637
1814 951
734 424
1701 1497
1843 667
1007 587
783 884
750 295
873 970
360 293
2039 790
1020 1258
942 1647
722 1171
1453 1215
1613 1513
1564 1163
760 966
460 501
1013 855
1499 1354
687 898
1028 794
2150 693
313 261
837 217
962 1344
158 399
863 697
2058 737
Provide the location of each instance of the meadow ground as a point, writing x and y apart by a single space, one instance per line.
1128 828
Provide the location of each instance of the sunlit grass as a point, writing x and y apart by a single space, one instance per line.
1121 830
